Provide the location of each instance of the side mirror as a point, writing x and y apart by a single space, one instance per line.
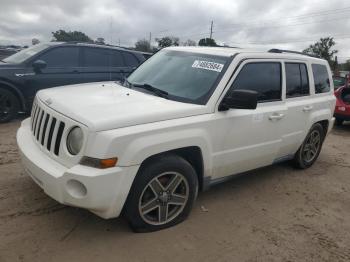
38 65
240 99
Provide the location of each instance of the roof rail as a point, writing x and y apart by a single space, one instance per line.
275 50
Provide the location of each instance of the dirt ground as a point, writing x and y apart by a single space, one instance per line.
274 214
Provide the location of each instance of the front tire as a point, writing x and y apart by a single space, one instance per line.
162 194
9 105
309 151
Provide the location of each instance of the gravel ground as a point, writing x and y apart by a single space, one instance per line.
274 214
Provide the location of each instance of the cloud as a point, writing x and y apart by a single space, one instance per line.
244 23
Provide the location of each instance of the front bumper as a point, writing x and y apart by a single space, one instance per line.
102 191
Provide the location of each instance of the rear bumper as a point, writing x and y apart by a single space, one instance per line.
102 191
345 117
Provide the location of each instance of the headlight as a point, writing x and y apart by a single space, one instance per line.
75 140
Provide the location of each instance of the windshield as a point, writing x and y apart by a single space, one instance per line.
23 55
184 76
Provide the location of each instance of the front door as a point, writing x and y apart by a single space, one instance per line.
252 138
62 68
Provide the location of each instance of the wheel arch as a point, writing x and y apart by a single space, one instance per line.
12 88
192 154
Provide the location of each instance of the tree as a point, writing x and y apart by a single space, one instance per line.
168 41
71 36
100 41
323 48
35 41
189 42
207 42
143 45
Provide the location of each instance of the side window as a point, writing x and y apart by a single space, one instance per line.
100 57
97 57
61 57
117 59
130 59
296 80
321 78
263 77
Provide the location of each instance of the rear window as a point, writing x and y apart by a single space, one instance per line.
321 78
264 78
296 80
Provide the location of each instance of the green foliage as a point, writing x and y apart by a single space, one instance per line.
190 42
168 41
207 42
323 49
100 41
143 45
71 36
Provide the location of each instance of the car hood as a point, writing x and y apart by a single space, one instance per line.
105 106
4 65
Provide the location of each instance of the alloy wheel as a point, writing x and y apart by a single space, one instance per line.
164 198
312 146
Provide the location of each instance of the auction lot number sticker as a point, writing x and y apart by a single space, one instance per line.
208 65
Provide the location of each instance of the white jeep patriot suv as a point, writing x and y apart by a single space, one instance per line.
188 118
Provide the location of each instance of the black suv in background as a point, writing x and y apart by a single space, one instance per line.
57 64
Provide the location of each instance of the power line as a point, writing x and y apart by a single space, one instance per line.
340 37
304 16
270 27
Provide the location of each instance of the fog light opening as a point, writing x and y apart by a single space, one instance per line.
76 189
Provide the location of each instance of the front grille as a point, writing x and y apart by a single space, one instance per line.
47 130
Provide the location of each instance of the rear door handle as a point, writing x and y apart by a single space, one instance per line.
307 108
276 116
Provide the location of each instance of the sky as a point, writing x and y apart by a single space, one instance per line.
260 24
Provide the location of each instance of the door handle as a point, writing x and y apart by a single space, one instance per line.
307 108
276 116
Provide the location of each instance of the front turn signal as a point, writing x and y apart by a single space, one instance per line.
99 163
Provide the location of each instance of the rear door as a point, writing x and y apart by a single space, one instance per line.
299 107
103 64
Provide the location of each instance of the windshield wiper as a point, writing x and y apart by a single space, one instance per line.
152 89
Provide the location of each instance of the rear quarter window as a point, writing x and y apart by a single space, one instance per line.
321 78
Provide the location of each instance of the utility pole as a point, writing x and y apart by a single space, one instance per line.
150 39
211 30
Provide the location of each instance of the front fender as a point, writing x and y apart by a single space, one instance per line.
133 149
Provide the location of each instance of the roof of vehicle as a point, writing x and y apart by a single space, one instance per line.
93 45
231 51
